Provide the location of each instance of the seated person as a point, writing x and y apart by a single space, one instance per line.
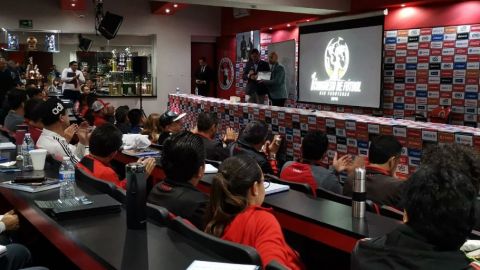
439 201
235 213
207 129
382 186
99 114
121 119
136 118
253 142
34 93
55 135
152 127
105 142
170 124
310 169
16 102
33 118
183 160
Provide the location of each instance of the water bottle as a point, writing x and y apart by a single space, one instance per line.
67 179
136 196
27 145
359 195
178 90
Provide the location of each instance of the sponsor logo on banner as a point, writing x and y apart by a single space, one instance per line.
402 46
461 51
448 51
412 59
422 93
391 33
410 93
473 65
447 65
399 106
472 80
400 59
438 30
460 58
410 79
402 39
436 52
436 45
412 46
422 80
470 110
413 39
388 105
446 87
388 79
410 86
399 66
449 44
413 32
438 59
424 45
449 37
474 43
471 88
412 52
459 73
422 73
461 36
399 86
423 59
470 118
473 73
461 43
425 38
446 94
446 73
471 102
421 107
459 80
411 66
422 66
398 100
388 93
458 95
402 33
474 50
458 102
411 73
434 66
401 53
424 52
421 87
437 37
434 87
389 60
400 80
410 106
470 95
446 80
432 73
445 102
450 29
447 58
473 58
399 73
460 66
390 47
433 94
474 35
463 28
389 53
388 66
390 40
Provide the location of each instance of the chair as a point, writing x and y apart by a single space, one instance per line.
83 178
231 251
391 212
214 163
274 265
158 214
301 187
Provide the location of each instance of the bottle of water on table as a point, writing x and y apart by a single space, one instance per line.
27 145
67 179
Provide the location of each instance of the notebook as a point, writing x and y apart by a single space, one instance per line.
142 153
209 168
48 184
80 206
203 265
276 188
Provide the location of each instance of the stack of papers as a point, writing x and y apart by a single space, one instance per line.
276 188
202 265
209 168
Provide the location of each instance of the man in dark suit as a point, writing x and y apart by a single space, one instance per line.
255 90
277 89
203 77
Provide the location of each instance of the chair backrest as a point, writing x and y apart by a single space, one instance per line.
301 187
159 214
100 185
391 212
231 251
274 265
214 163
329 195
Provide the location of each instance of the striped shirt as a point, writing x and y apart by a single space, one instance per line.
58 147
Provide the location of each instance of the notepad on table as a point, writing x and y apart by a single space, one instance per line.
203 265
275 188
209 168
32 187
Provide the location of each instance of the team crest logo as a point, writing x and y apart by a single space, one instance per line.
226 73
337 58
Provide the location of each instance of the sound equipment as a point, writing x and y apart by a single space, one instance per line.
140 66
109 25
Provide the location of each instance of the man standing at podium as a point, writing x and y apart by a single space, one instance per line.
203 77
72 78
255 90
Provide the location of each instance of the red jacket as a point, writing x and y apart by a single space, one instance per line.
100 170
258 228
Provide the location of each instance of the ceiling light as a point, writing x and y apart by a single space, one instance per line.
288 25
270 28
167 10
73 4
308 20
175 5
403 5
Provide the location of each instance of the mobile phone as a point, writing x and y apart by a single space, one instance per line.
21 179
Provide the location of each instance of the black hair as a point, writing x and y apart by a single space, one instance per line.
15 98
32 109
105 140
205 121
50 111
230 186
382 148
182 156
121 114
135 116
254 51
33 91
255 132
203 58
72 63
314 146
440 200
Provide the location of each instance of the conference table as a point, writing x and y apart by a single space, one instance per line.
103 241
321 220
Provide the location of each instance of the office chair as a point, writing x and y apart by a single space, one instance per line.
83 178
391 212
274 265
301 187
158 214
231 251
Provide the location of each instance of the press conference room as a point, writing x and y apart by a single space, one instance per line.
236 135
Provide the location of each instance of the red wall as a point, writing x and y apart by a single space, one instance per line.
225 48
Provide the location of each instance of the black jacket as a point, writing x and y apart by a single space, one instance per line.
242 148
181 199
207 75
252 85
404 249
163 137
381 189
215 150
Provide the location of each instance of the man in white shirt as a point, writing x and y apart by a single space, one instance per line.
72 79
57 133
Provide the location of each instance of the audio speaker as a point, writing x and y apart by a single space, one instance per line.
84 44
140 65
110 24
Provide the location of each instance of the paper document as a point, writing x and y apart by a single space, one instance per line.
209 168
265 76
202 265
275 188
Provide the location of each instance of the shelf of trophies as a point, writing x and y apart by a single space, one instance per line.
125 83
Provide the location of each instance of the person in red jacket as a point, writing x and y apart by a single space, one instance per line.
105 142
235 213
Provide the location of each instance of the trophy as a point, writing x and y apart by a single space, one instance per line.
113 61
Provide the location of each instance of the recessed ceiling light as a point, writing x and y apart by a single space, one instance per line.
73 4
288 25
308 20
270 28
403 5
167 10
175 5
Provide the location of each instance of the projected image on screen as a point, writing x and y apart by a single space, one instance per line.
341 66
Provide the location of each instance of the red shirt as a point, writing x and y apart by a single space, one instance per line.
100 170
258 228
300 173
34 133
98 120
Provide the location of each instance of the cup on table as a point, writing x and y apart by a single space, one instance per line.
38 158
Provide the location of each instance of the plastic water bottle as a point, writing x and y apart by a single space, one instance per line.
178 90
27 145
67 179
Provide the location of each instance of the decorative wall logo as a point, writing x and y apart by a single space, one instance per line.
336 61
226 73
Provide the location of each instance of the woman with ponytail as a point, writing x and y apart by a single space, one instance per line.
235 212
